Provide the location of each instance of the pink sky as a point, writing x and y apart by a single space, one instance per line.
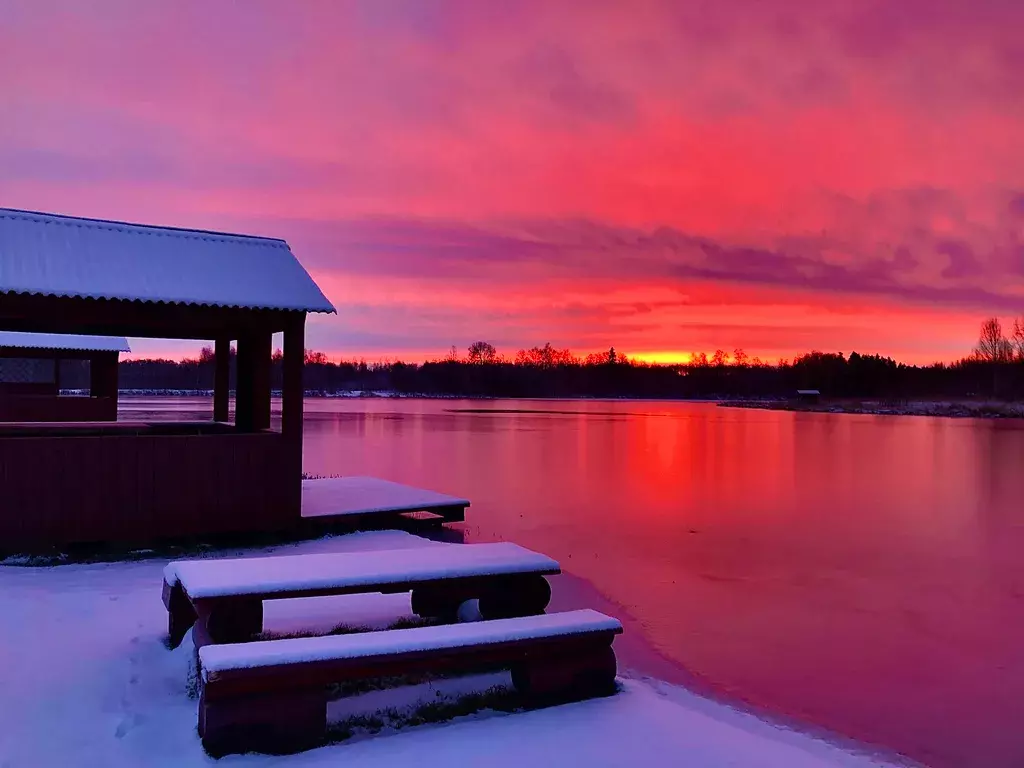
660 176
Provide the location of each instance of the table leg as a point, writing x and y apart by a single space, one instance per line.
180 613
587 672
439 601
237 620
514 596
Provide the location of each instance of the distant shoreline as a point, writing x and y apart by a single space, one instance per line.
950 409
954 409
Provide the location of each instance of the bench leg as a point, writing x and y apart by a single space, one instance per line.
273 723
582 675
226 621
439 602
235 621
515 596
180 614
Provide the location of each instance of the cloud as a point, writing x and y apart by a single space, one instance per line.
924 266
524 160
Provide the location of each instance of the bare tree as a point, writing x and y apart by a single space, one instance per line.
721 357
482 352
992 345
739 357
1017 339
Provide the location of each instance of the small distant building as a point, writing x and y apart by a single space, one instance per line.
31 366
808 396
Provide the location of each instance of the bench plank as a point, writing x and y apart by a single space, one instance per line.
220 659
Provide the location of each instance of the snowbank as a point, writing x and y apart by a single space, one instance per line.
87 680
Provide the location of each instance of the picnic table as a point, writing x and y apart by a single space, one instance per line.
223 598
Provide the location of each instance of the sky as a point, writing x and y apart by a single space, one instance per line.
660 176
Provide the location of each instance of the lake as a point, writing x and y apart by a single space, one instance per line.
861 573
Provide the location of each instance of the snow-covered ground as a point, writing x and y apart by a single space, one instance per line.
86 680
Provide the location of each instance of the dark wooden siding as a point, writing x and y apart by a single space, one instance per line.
41 407
58 490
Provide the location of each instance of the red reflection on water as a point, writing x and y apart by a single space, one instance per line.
864 574
860 573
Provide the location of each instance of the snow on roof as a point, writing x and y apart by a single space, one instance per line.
294 573
267 653
52 255
64 341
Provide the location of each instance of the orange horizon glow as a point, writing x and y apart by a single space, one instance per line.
667 357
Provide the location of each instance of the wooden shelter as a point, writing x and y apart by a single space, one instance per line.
30 376
130 481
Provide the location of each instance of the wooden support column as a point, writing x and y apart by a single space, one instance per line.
252 386
292 387
261 381
243 384
221 379
103 375
103 381
292 391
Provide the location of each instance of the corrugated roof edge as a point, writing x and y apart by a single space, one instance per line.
201 234
114 223
63 342
183 303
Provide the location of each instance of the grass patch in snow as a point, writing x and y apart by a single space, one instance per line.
442 709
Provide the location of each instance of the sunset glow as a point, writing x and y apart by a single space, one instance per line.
656 176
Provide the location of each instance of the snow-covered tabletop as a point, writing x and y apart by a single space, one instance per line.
352 571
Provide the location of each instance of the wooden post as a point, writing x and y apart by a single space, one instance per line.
292 388
243 384
261 381
292 392
221 379
103 380
252 385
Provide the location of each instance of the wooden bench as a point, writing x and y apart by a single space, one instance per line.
271 696
224 598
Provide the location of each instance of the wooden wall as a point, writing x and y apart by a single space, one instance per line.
56 408
59 490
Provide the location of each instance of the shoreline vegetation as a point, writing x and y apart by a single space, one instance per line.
987 383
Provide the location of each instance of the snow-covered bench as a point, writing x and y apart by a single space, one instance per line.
271 696
226 596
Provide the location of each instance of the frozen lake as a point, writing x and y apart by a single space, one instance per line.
862 573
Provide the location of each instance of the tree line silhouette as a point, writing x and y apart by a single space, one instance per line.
995 368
